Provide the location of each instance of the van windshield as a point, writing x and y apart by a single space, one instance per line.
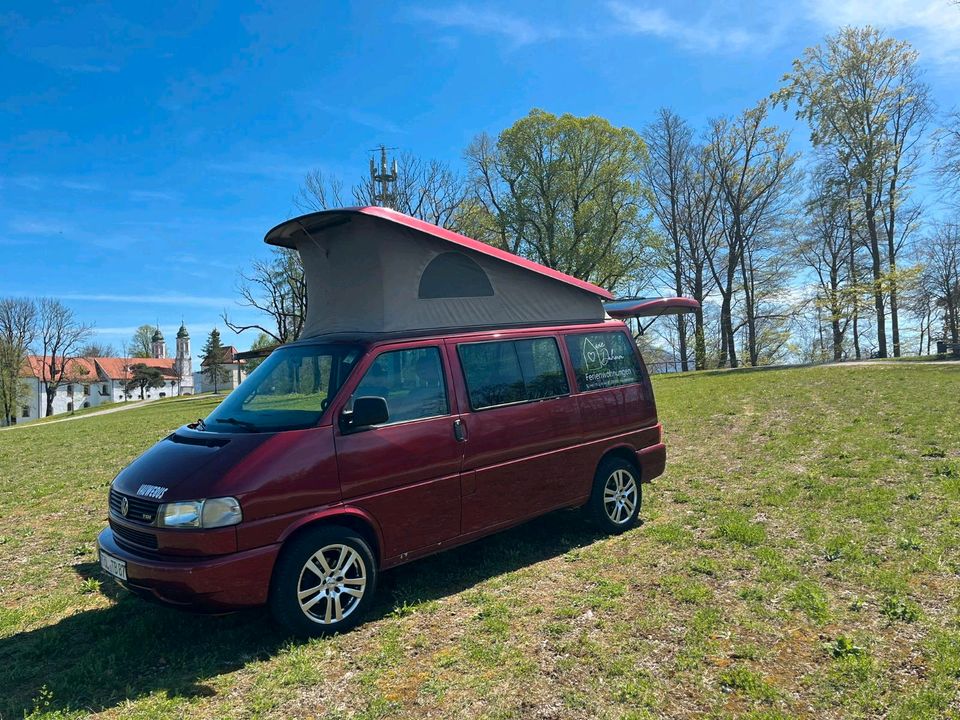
290 390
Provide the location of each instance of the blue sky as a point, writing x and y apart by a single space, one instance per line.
145 148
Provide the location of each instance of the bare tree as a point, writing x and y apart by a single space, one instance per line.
670 145
60 336
700 229
755 173
319 192
426 189
822 245
275 287
97 349
18 328
948 145
942 277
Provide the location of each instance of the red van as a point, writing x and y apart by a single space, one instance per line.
363 446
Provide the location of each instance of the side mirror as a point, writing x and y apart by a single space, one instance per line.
366 411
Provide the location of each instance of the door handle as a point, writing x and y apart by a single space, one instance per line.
459 430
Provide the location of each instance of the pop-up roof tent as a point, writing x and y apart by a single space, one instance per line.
374 270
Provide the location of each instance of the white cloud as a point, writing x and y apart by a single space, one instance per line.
715 27
700 31
161 299
933 25
485 21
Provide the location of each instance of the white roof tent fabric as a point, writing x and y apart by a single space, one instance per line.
374 270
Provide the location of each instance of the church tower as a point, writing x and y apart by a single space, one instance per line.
157 344
183 365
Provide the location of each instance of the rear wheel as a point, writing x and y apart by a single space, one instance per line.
615 503
324 581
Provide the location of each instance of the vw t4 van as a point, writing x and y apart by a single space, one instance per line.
442 390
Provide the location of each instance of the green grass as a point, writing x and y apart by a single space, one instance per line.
800 558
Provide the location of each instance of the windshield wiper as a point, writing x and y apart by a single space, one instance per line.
239 423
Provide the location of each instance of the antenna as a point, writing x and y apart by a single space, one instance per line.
383 182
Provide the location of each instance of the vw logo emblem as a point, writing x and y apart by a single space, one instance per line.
124 507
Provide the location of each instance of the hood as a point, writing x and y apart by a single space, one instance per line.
187 464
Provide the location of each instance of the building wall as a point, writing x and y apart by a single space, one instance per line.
35 402
201 383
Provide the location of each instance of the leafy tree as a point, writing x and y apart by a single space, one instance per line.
60 336
862 95
18 328
141 344
213 356
565 191
143 377
263 341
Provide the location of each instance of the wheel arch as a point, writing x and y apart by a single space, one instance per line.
626 453
351 518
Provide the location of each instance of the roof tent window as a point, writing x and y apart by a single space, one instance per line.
453 275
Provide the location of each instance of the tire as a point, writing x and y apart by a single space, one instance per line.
323 573
614 504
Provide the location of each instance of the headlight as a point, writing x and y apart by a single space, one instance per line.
211 513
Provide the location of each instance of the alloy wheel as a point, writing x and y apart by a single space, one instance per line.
620 496
332 583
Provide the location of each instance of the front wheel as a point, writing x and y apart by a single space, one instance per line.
324 581
615 502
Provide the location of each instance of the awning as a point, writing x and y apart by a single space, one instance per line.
650 307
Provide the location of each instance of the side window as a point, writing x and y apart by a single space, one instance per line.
512 371
411 381
603 360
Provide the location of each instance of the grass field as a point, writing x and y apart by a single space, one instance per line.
800 558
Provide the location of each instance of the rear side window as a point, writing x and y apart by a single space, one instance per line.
512 371
603 360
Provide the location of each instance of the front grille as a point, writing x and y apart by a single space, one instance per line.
138 510
126 535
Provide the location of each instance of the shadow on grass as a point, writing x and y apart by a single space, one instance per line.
97 659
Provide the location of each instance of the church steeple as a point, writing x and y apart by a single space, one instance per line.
157 344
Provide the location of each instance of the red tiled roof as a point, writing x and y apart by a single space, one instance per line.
229 354
78 369
113 368
120 368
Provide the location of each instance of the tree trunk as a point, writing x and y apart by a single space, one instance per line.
877 275
50 395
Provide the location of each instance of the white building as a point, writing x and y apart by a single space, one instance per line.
234 372
93 381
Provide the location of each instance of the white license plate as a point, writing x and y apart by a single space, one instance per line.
113 566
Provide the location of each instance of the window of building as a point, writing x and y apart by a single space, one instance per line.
103 390
69 389
603 360
411 381
512 371
25 411
86 389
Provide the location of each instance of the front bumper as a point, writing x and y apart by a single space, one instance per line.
224 582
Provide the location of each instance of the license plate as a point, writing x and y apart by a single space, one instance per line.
113 566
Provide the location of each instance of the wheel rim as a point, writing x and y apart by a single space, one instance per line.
332 583
620 496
